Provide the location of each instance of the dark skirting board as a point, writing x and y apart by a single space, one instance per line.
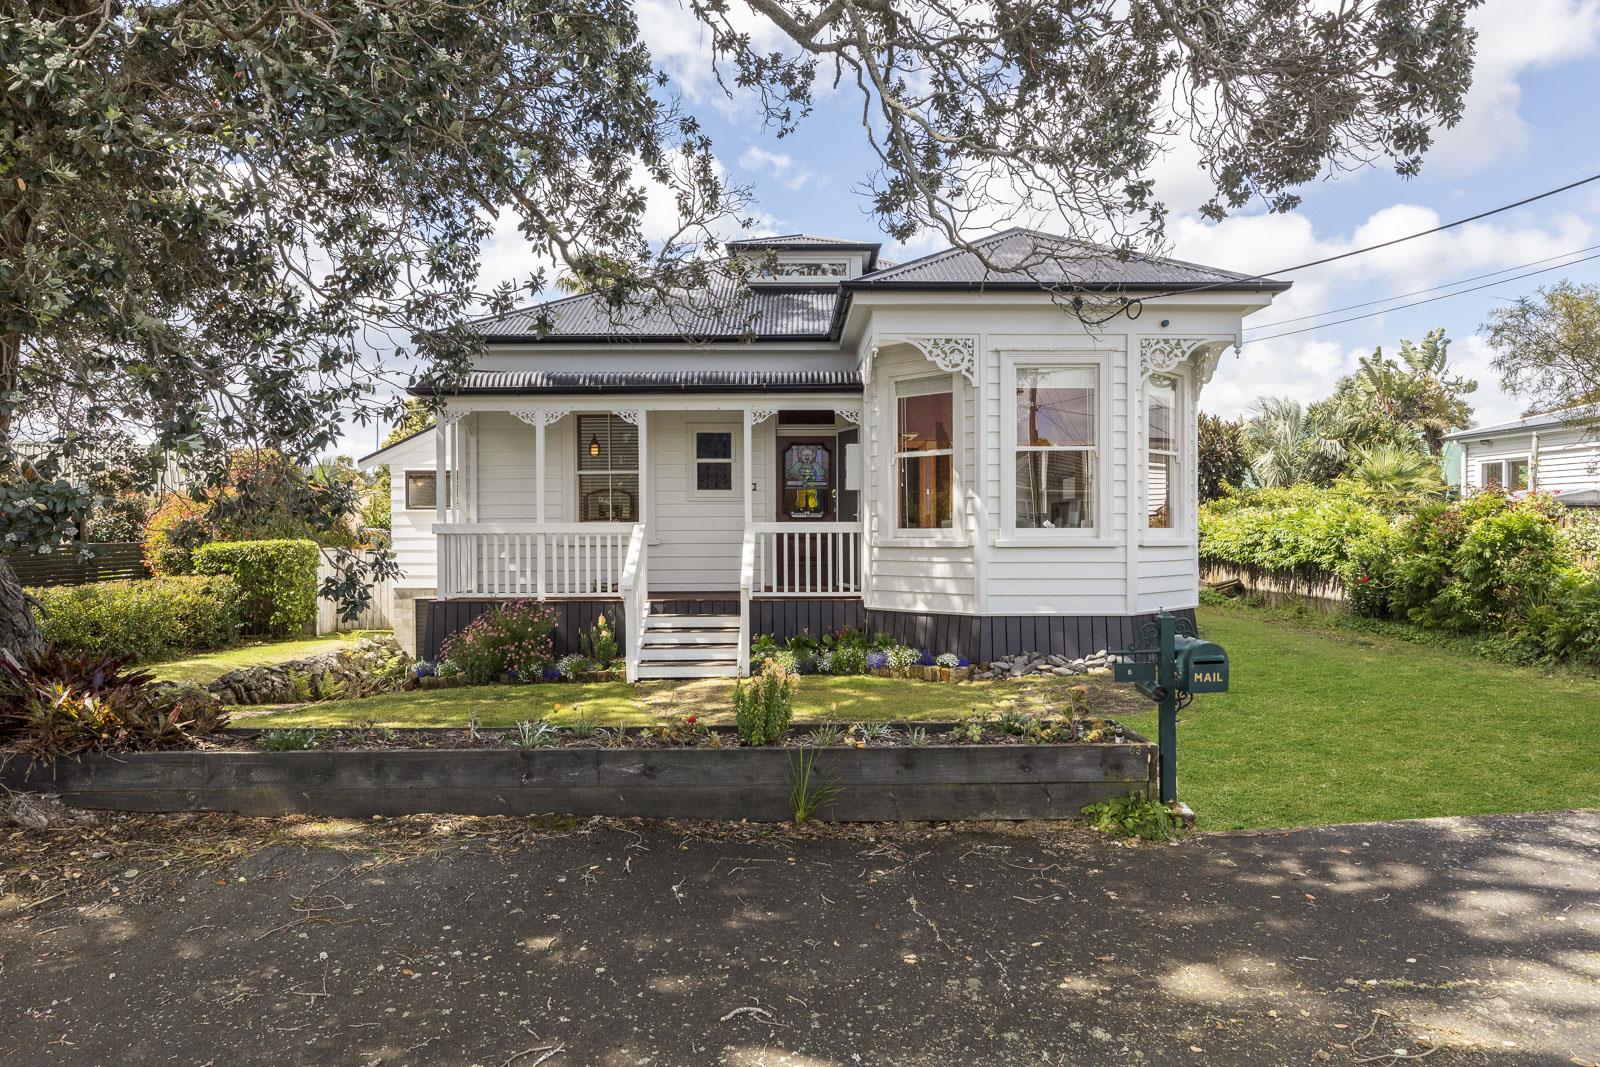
984 638
438 619
785 618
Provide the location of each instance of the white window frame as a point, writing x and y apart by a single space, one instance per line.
889 483
1183 508
1504 463
405 489
578 472
1104 530
692 471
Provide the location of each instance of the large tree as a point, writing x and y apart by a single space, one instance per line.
222 225
1411 401
1547 348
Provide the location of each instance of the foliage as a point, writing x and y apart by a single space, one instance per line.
417 415
143 620
1288 444
1223 462
811 789
1394 477
63 703
1579 532
763 705
535 733
1134 815
174 530
1412 401
599 643
278 580
1299 529
902 656
1547 347
571 666
844 651
290 740
513 638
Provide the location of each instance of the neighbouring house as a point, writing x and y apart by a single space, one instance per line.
1556 453
939 449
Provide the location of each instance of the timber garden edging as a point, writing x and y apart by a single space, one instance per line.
913 783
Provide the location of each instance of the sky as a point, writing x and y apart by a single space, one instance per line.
1528 126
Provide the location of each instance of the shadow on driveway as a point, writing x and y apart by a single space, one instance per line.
517 942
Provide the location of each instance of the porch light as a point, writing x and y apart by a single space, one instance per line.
594 445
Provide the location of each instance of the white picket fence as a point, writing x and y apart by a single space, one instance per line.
379 614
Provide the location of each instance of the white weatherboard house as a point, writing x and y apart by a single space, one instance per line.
1552 453
937 449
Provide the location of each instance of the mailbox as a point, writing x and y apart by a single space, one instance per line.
1202 667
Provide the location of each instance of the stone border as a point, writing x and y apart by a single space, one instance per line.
932 783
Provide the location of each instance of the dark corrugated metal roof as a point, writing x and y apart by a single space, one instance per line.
814 312
1030 259
721 312
639 381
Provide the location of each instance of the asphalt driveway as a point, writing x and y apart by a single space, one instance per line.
513 943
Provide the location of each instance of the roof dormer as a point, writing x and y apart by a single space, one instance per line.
802 259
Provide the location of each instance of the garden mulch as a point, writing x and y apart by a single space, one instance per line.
516 942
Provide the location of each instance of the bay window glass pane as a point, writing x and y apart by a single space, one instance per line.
925 493
1055 490
924 414
1162 403
1056 406
1159 492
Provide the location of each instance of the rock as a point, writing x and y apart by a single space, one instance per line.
370 665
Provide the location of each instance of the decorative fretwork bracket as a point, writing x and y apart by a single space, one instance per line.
850 415
756 416
629 415
1161 355
958 355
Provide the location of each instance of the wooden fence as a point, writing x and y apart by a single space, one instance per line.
109 561
378 616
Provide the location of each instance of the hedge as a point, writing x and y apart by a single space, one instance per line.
278 580
147 619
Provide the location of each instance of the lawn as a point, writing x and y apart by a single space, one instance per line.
1324 725
611 703
207 667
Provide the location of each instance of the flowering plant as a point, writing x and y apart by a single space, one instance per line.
948 659
903 656
570 666
512 640
877 661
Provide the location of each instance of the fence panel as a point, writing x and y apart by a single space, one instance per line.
112 561
379 614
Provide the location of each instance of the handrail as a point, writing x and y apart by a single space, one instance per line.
815 527
635 589
531 527
747 581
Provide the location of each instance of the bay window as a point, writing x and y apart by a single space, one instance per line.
1057 447
924 454
1161 454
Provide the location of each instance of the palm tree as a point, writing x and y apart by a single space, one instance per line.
1417 395
1395 477
1287 443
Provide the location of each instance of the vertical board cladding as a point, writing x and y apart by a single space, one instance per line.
784 619
984 638
444 618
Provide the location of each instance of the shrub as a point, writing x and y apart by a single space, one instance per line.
142 620
278 580
176 528
1134 815
570 666
902 656
850 659
764 705
515 638
62 704
599 643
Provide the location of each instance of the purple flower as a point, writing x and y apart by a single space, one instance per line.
926 660
877 660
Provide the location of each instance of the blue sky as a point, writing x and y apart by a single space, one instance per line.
1529 126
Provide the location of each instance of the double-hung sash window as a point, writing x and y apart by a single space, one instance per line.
924 453
1161 454
608 469
1057 447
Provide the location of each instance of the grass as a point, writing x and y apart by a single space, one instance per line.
616 703
207 667
1327 724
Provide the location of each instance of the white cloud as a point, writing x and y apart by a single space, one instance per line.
790 172
1513 39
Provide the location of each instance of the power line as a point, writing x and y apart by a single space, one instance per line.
1418 303
1419 292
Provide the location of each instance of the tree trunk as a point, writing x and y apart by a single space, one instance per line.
19 634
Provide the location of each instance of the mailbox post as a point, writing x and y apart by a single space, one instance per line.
1169 665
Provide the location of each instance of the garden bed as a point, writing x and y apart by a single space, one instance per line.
639 773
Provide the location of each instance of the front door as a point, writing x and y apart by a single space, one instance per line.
808 480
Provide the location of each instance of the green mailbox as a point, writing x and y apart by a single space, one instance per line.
1202 667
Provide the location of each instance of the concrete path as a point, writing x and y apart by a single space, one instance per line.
511 943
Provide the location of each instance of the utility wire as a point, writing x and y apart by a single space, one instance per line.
1419 292
1418 303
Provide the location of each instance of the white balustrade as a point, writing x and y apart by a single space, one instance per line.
806 558
635 588
528 560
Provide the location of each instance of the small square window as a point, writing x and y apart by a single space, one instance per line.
422 489
713 461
